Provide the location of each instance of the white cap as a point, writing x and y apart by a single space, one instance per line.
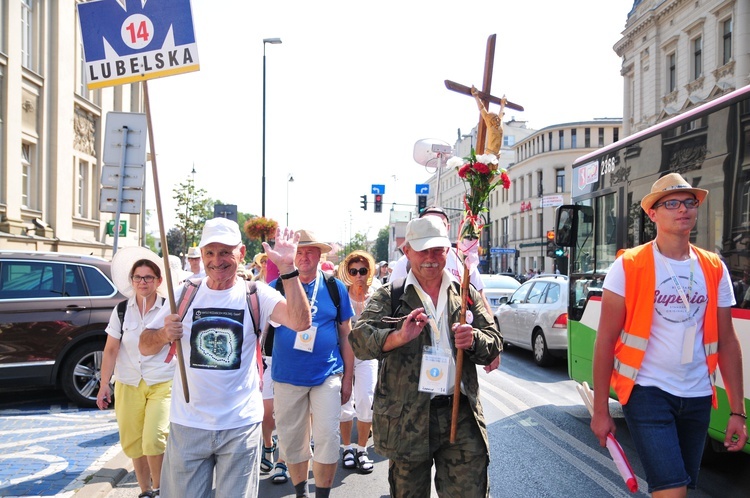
222 231
426 233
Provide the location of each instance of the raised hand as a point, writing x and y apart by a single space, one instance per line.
284 250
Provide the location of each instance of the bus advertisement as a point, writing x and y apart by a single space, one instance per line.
709 146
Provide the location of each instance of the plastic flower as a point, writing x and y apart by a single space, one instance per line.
481 175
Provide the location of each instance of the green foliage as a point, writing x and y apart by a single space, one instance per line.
193 209
176 241
380 251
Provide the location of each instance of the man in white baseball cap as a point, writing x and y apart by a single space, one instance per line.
218 341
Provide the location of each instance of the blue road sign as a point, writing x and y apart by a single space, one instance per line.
502 250
378 189
423 188
125 42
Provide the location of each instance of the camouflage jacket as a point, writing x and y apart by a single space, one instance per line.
401 414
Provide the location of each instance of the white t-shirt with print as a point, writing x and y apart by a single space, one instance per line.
662 365
218 346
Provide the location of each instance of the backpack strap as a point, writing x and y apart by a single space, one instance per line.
189 290
121 307
333 291
253 305
397 290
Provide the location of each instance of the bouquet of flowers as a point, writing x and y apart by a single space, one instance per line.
481 175
260 228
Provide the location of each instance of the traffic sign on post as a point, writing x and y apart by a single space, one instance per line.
423 189
378 189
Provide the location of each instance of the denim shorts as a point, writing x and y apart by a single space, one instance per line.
669 433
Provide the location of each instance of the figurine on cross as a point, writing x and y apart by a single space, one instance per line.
493 122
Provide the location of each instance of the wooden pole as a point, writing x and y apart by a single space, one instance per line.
459 355
163 233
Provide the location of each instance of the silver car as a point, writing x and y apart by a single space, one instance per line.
497 287
535 317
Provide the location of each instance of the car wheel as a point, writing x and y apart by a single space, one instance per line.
542 356
81 373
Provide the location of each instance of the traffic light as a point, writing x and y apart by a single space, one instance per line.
364 202
421 203
551 246
378 203
559 252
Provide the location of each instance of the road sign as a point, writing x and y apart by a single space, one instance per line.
502 250
123 227
126 42
552 201
134 176
378 189
135 152
130 202
423 188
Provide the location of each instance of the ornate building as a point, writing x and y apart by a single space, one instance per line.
51 134
677 54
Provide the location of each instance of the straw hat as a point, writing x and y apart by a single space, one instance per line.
194 252
344 267
307 239
122 264
258 259
670 184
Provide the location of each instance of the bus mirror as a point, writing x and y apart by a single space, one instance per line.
565 233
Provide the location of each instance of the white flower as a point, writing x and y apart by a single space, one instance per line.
487 159
455 162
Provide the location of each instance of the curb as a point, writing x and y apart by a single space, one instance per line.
107 478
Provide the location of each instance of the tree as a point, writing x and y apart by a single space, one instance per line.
381 245
176 241
356 243
193 209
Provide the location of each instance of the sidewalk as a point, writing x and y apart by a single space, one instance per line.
107 478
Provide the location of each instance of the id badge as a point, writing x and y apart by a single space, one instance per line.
433 375
306 339
688 343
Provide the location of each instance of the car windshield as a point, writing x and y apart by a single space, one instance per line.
500 283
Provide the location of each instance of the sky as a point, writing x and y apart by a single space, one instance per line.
354 85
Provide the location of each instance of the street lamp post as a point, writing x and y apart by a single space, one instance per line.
289 179
273 41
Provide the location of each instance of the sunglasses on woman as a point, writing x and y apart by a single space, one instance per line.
362 271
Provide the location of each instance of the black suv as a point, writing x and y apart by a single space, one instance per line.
54 309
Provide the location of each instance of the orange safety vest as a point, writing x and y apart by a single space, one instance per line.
640 285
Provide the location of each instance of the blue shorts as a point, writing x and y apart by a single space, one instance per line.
669 433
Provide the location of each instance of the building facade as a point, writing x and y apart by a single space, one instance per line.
677 54
51 134
541 181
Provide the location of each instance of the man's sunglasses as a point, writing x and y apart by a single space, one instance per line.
362 271
675 204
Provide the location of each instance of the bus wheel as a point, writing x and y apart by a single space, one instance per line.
542 356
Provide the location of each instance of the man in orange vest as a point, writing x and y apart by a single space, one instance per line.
665 326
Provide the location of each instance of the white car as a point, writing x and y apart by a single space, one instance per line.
535 317
497 287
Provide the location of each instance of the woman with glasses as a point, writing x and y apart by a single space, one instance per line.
357 271
143 384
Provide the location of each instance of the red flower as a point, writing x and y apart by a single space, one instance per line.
505 179
463 170
482 168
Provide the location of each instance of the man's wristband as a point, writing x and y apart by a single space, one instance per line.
742 415
289 275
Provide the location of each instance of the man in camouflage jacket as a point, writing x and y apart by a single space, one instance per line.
411 427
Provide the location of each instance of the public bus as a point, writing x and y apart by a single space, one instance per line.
709 146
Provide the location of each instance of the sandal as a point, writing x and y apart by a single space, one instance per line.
146 494
281 475
364 464
348 460
266 461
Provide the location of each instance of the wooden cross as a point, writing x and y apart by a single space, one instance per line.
484 93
